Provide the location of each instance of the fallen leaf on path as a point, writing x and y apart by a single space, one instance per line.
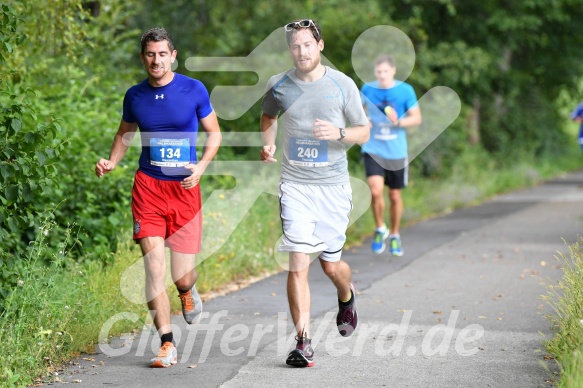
482 317
193 366
437 312
543 263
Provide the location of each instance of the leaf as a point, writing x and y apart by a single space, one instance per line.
12 224
11 193
8 47
41 157
6 171
16 124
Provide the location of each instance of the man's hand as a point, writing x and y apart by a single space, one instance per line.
104 166
267 153
194 179
391 114
324 130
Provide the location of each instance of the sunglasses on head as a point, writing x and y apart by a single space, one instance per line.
306 23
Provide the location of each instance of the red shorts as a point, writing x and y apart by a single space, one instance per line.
166 209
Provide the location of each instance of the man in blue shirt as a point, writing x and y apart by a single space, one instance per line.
577 116
392 107
166 202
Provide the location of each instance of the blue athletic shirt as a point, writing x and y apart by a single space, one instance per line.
167 117
386 140
578 112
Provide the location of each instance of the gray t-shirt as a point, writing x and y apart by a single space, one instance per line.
334 98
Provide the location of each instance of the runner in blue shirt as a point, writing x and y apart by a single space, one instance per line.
577 116
166 202
392 107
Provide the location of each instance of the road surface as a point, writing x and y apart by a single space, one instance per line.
462 307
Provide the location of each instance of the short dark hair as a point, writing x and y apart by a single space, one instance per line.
315 29
156 34
384 59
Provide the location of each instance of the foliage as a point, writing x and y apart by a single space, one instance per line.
566 299
30 148
39 310
62 76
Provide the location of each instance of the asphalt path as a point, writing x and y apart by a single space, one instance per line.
461 308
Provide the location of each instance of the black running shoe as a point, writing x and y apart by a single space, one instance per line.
347 318
303 355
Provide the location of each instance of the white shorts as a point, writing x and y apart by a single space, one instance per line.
314 218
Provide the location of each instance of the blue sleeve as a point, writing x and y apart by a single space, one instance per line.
577 112
365 98
203 106
128 115
363 94
411 99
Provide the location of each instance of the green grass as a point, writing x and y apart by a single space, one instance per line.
566 299
58 310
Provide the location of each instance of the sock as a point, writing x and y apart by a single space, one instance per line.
348 302
395 236
168 337
381 229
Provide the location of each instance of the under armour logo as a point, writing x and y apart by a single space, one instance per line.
159 96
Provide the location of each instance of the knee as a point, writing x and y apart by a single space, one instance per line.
183 284
394 196
329 268
377 195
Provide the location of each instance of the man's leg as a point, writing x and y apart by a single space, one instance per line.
339 273
155 266
395 210
183 270
376 183
298 292
185 275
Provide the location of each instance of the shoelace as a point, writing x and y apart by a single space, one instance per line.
303 342
346 316
164 349
186 300
378 236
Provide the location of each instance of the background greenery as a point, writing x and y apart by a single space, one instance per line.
67 64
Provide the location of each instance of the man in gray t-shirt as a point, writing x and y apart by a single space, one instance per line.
314 102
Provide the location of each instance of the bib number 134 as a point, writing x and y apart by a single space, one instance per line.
169 152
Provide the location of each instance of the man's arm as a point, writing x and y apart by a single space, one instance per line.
268 134
412 118
210 126
325 130
119 148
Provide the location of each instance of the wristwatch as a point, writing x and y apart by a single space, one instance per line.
342 133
